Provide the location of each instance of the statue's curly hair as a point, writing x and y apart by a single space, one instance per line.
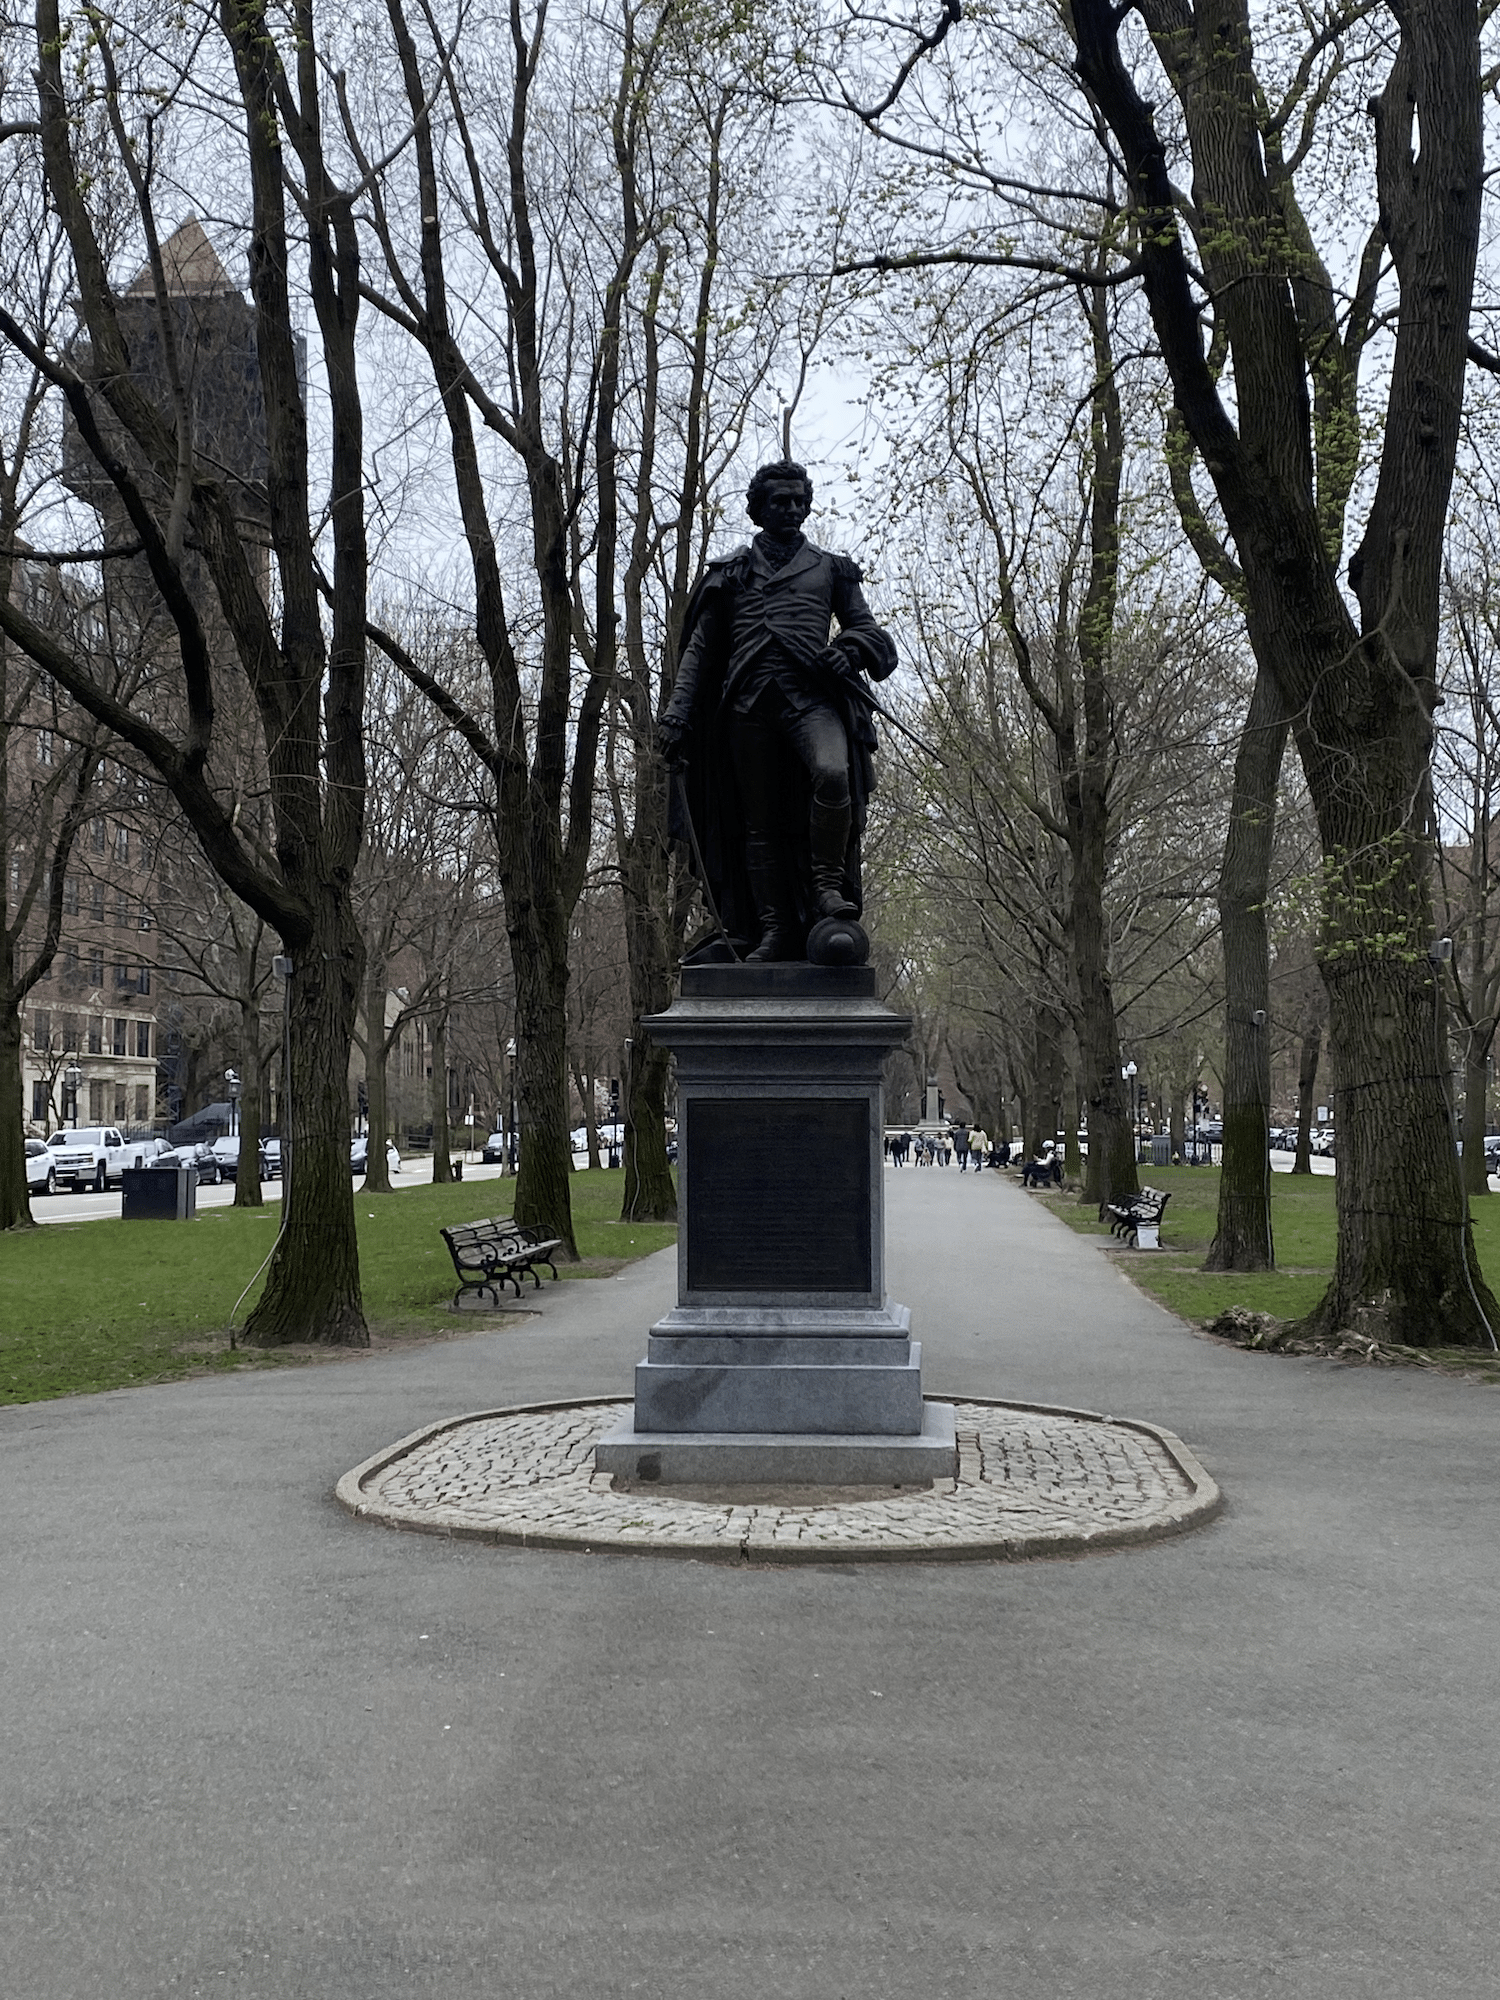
781 468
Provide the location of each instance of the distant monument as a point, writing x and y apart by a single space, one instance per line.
769 725
783 1362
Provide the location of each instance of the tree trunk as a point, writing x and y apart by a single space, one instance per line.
1179 1126
312 1286
584 1081
247 1192
1405 1261
15 1202
1046 1027
1085 773
541 1071
1243 1240
650 1194
442 1168
1307 1083
1111 1172
1072 1152
1362 694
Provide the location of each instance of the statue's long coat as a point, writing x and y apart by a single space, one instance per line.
798 602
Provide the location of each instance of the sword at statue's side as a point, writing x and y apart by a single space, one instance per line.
675 773
847 683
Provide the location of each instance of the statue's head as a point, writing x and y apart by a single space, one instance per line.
780 496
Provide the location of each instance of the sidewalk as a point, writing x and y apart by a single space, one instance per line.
249 1746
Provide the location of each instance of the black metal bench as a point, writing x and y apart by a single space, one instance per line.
495 1250
1138 1221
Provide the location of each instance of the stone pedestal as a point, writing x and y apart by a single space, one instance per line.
783 1360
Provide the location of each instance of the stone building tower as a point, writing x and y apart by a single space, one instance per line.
108 1000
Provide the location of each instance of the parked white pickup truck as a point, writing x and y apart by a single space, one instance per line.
91 1156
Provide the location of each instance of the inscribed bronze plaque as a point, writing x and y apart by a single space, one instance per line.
778 1194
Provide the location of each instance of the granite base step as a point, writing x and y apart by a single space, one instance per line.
738 1458
764 1395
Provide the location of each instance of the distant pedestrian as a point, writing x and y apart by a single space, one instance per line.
961 1147
979 1146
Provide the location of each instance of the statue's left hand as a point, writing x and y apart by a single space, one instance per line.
835 663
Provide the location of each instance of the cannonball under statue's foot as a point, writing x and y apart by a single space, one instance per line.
837 941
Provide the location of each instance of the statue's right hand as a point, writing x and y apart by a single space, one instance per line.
670 731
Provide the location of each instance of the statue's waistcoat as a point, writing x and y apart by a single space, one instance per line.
791 608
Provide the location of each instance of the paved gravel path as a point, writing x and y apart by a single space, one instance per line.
251 1746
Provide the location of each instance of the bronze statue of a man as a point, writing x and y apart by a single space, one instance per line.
770 723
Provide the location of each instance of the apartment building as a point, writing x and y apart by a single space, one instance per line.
90 1056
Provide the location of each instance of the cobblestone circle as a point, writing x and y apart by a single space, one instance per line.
1031 1482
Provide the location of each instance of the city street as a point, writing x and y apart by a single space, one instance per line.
416 1171
252 1746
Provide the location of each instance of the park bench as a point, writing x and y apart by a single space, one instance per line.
1139 1220
496 1249
1042 1173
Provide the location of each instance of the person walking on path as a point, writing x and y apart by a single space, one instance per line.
979 1146
961 1147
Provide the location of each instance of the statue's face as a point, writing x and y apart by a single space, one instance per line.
783 507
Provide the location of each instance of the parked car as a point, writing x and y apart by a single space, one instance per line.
270 1159
41 1175
494 1150
227 1152
89 1156
359 1156
209 1167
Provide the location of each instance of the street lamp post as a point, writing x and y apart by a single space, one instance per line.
1129 1074
232 1078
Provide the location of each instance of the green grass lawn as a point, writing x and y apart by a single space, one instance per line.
1302 1223
101 1305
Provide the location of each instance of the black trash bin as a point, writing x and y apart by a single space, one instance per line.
159 1194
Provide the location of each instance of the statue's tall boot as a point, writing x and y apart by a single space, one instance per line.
829 843
765 885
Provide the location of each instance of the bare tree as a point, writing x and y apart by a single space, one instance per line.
1361 689
158 464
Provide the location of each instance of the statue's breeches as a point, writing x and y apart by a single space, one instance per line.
760 742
